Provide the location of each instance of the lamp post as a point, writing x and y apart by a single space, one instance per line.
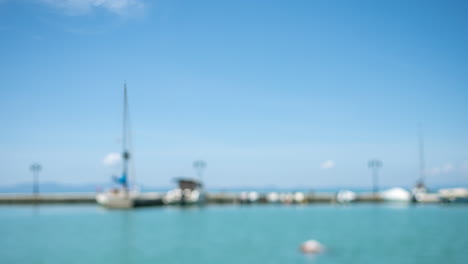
35 168
375 165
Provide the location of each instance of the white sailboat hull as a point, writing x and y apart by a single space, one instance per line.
115 200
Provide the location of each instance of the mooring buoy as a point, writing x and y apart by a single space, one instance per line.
311 247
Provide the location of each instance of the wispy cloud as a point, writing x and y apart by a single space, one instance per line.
83 7
328 164
444 169
111 159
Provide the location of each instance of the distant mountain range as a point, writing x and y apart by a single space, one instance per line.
53 187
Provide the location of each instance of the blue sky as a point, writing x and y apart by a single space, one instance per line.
269 93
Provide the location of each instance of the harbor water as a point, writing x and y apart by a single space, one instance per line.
361 233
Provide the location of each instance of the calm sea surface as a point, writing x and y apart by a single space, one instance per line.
234 234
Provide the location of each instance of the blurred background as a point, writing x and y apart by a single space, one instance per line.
292 121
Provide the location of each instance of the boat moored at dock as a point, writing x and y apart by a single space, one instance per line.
188 192
396 195
116 198
454 195
122 197
345 196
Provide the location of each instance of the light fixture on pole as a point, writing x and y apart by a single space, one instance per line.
35 168
199 166
375 165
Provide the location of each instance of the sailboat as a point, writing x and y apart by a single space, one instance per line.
122 197
420 193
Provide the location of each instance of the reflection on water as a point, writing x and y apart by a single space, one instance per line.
398 205
127 236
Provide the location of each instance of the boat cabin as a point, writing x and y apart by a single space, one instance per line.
190 184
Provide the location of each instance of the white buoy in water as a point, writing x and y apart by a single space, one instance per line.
312 247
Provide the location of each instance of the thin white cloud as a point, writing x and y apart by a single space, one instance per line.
444 169
329 164
447 168
82 7
111 159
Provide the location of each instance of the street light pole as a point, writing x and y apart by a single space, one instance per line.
375 165
199 166
35 168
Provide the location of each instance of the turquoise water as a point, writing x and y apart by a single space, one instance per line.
234 234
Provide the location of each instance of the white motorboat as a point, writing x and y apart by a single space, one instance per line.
345 196
189 192
396 195
299 197
454 195
273 197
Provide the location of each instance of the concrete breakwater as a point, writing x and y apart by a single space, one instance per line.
47 199
155 199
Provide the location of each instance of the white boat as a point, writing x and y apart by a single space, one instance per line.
286 198
421 195
419 192
188 192
122 197
299 197
345 196
396 195
454 195
273 197
117 199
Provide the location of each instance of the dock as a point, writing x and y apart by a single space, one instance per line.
155 199
59 198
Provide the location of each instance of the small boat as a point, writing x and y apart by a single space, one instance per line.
189 192
286 198
396 195
248 197
121 197
299 197
345 196
418 191
454 195
420 194
273 197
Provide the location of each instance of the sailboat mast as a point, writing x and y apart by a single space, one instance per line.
125 153
422 163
